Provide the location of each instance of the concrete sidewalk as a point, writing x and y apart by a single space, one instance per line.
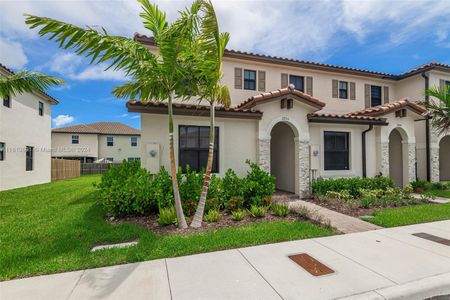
381 264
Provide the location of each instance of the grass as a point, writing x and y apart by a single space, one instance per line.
410 215
51 228
438 193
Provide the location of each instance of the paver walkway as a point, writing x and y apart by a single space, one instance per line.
382 264
341 222
435 199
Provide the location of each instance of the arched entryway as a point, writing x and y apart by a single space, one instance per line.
282 157
398 157
444 159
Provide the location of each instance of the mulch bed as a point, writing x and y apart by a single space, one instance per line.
225 221
352 210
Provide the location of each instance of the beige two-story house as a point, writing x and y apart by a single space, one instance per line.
301 120
25 138
97 142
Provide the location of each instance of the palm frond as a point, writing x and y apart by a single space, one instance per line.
154 19
121 53
440 108
223 95
24 81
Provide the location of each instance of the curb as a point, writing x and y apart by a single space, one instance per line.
438 285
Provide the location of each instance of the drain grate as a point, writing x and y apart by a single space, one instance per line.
310 264
433 238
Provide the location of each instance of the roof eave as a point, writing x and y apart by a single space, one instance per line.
335 120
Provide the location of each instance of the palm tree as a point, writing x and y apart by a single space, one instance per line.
208 57
25 82
157 76
440 109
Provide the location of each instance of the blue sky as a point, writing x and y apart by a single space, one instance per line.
386 36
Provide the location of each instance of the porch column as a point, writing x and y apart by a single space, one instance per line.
434 162
411 162
264 154
304 169
384 159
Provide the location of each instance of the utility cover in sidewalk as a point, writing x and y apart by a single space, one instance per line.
310 264
111 246
433 238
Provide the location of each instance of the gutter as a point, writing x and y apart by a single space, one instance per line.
364 167
427 127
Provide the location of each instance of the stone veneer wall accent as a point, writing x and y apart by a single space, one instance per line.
434 163
304 172
264 154
384 162
411 162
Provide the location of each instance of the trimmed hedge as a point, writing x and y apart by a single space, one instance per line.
353 185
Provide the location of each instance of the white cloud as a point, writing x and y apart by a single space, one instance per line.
122 116
301 29
62 120
12 54
135 117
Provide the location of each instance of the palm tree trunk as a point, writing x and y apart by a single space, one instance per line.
173 169
198 217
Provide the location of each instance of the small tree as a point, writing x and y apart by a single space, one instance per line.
440 109
208 56
157 76
25 82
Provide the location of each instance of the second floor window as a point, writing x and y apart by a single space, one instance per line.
75 139
343 89
7 101
109 141
29 159
41 108
133 158
298 82
249 80
375 95
133 141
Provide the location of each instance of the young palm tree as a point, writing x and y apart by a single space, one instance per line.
25 82
440 109
208 57
154 76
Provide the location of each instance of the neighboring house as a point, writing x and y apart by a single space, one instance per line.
301 120
25 140
106 141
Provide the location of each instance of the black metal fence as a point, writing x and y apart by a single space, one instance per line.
95 168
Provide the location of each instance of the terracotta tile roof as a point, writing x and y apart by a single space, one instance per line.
115 128
44 94
345 118
289 90
313 65
191 109
389 107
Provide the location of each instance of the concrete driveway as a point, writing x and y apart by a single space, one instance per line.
382 264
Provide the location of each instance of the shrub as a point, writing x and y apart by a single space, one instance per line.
407 191
321 186
280 209
418 185
238 215
258 185
215 194
213 215
235 203
126 189
369 198
162 189
437 186
343 195
258 211
167 216
391 196
190 185
232 185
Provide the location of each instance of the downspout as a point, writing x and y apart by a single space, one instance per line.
364 167
427 127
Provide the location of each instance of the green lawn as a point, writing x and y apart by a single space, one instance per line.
51 228
407 215
438 193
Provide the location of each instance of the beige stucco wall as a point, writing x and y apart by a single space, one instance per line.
62 145
120 150
237 141
21 126
322 84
